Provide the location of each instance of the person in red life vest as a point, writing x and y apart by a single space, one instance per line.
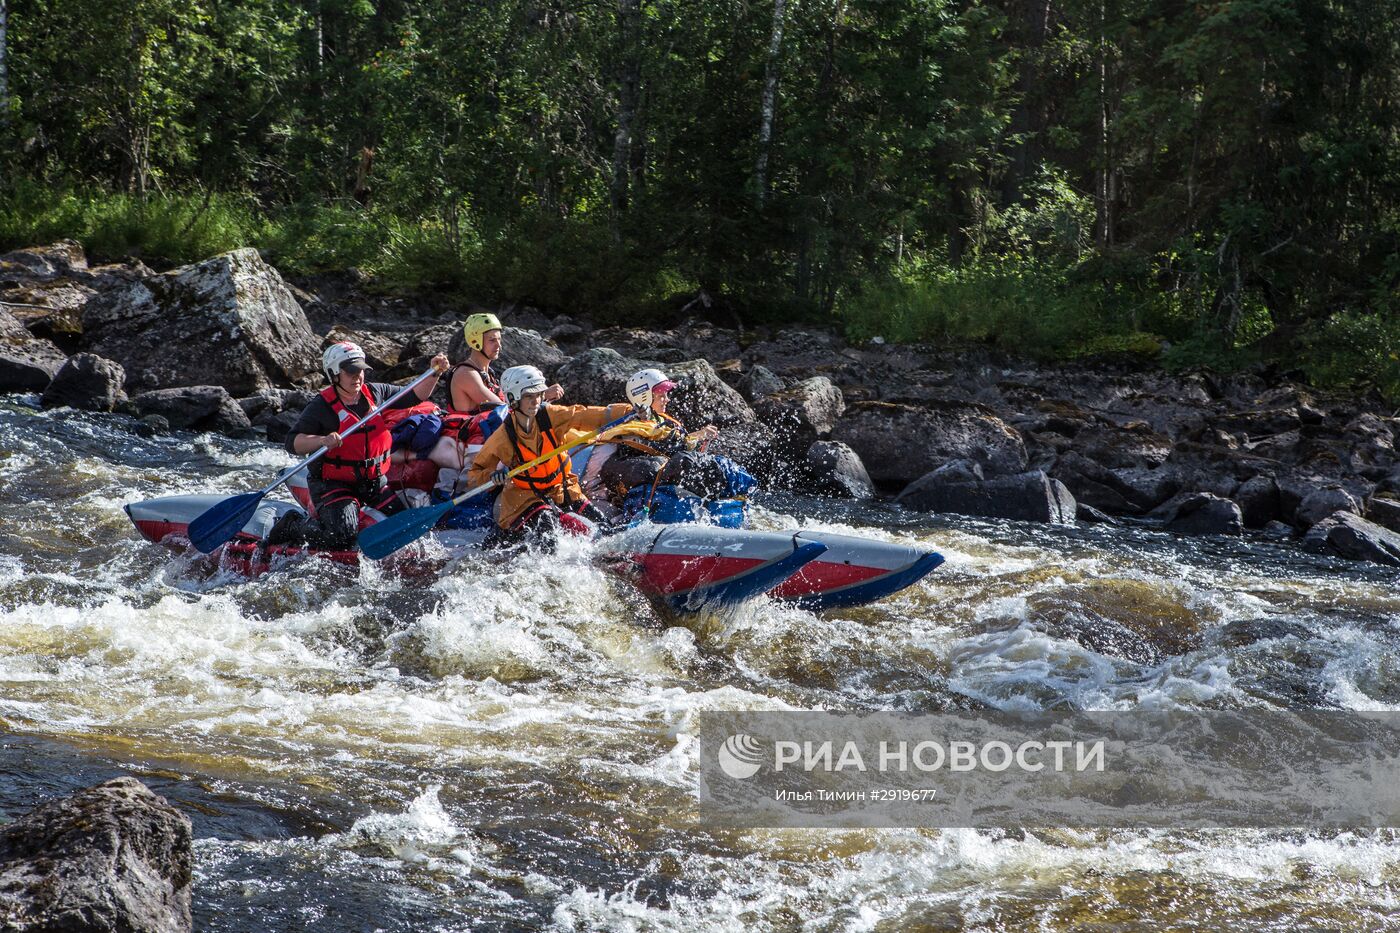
352 472
532 502
471 386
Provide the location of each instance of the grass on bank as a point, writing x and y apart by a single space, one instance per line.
1041 309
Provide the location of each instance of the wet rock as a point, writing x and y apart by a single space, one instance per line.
1348 535
901 443
758 382
1258 501
1125 491
87 382
956 471
195 408
151 426
518 348
833 469
1028 497
27 363
111 859
1384 512
599 377
1131 619
1277 530
1321 503
1087 513
1200 513
228 321
382 351
802 413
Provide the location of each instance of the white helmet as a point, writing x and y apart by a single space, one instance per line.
518 380
643 383
342 356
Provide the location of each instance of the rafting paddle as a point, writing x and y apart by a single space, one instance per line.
385 537
226 518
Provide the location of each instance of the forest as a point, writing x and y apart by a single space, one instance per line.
1211 183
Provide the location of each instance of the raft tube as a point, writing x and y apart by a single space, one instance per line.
853 571
690 567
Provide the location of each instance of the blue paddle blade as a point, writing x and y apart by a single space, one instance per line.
381 539
223 520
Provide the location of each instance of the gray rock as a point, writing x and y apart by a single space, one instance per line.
226 321
1029 497
382 351
900 443
1258 500
1200 513
87 382
1384 512
195 408
833 469
151 426
758 382
599 377
804 412
957 471
1321 503
1131 490
1278 530
27 363
1348 535
111 858
275 400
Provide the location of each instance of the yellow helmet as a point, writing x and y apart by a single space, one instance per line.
474 328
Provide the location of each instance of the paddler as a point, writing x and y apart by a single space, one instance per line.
532 502
352 472
650 439
471 386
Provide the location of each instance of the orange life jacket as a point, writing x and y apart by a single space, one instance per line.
364 455
543 476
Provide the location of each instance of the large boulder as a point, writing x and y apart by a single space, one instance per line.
524 348
803 413
1384 512
1348 535
1200 513
227 321
833 469
1027 497
599 377
382 351
1258 500
86 381
758 382
111 858
275 411
195 408
1321 503
900 443
27 363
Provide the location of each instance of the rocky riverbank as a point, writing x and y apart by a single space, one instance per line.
227 345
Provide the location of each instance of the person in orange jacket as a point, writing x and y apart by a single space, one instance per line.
533 501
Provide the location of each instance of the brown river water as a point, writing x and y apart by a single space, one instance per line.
512 746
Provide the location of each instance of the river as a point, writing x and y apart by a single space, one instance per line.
510 747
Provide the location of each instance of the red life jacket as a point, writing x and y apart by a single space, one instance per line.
364 455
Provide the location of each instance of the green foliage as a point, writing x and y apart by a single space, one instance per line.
1355 350
175 228
1053 179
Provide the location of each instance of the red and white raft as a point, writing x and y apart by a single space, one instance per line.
689 567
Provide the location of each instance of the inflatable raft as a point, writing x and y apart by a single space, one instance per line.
689 567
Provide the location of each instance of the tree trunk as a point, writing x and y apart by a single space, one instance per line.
1028 118
629 14
4 67
770 93
1105 188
